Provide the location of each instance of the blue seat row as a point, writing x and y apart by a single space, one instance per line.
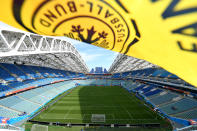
10 72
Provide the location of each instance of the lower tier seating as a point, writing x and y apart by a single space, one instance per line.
179 106
31 100
5 112
171 103
160 99
190 114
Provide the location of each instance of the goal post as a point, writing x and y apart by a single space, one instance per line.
37 127
98 118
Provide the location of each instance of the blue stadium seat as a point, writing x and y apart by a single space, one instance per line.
140 87
190 114
179 106
38 69
6 75
117 75
160 99
14 70
165 74
150 93
28 70
147 89
157 73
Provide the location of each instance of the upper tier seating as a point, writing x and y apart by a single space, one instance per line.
125 74
4 89
144 72
14 70
153 92
40 70
29 71
139 87
5 75
161 73
153 74
10 72
14 77
117 75
147 89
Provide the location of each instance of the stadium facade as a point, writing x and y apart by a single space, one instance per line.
35 69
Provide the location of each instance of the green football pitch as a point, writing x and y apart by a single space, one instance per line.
115 103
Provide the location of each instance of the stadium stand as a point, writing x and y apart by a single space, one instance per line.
172 103
26 87
163 98
167 93
31 100
6 76
179 106
153 92
28 71
14 70
189 114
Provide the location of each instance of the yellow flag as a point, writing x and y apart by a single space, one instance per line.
163 32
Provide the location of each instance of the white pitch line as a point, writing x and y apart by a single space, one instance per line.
68 112
83 117
113 116
47 111
128 113
105 119
127 110
145 109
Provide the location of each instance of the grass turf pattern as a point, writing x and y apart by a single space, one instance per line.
118 105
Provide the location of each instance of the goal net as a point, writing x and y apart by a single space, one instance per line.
98 118
37 127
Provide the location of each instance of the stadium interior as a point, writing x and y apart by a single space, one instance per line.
46 85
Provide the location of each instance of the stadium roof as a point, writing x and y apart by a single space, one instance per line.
124 63
31 49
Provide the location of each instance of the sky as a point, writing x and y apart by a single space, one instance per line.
92 55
